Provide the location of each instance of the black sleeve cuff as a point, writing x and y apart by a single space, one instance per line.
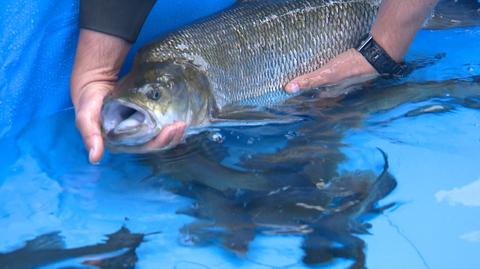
121 18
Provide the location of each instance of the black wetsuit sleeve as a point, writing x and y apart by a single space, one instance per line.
121 18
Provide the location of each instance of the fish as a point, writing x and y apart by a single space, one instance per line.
49 248
240 57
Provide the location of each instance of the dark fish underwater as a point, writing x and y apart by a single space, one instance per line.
49 248
455 13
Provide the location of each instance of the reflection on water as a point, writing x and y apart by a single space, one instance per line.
298 179
465 195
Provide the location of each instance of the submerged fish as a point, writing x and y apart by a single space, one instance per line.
455 13
117 252
327 214
242 56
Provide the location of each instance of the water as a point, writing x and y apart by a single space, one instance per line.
309 194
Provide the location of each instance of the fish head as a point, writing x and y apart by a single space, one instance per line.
152 96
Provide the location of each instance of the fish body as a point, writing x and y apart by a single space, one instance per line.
242 56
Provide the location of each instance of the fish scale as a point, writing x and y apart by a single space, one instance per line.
252 50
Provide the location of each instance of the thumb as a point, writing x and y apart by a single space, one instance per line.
96 149
89 128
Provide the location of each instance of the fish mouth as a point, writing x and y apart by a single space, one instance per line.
127 124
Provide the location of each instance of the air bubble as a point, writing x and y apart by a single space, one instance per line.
217 137
291 135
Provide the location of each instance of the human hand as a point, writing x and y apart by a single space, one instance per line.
394 29
95 72
98 60
346 65
170 136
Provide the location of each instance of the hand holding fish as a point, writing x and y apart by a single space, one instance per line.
394 29
98 61
346 65
180 80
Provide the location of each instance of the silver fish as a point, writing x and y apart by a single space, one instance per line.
242 56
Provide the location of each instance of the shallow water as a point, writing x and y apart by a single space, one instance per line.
308 194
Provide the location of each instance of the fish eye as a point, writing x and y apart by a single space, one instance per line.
154 94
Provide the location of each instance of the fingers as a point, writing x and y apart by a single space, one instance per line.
171 135
311 80
346 65
179 133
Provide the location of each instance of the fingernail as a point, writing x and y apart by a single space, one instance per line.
293 88
91 154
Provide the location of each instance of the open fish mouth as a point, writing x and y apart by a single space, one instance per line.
128 124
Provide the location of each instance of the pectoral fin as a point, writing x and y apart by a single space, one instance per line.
243 118
252 118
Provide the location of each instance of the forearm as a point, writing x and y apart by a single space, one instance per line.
397 23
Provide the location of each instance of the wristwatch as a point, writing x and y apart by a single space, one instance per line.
379 58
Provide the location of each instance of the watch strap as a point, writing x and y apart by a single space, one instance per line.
379 58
